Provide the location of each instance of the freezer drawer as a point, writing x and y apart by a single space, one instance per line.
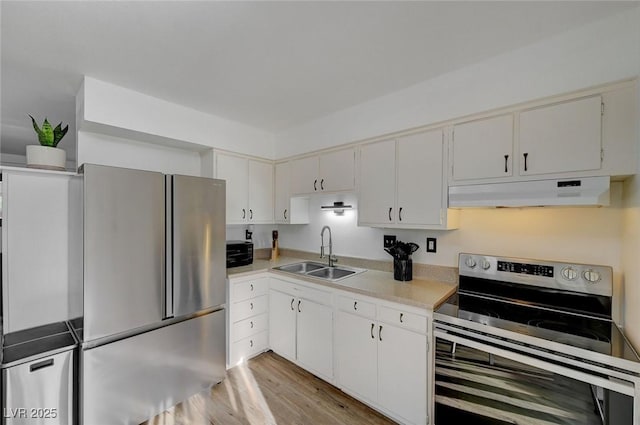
134 379
40 391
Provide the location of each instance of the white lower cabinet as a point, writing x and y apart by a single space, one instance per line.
248 318
301 326
383 360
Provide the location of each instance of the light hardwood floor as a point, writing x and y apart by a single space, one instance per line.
270 390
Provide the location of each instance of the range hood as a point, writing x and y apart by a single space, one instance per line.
587 191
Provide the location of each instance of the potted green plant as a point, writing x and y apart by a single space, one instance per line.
47 155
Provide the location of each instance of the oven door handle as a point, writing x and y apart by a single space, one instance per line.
617 385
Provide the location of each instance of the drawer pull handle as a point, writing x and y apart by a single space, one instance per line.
400 214
250 306
251 324
526 154
390 213
315 185
506 162
251 343
40 365
250 214
244 213
252 287
355 305
401 315
299 306
372 326
322 184
380 333
285 214
292 300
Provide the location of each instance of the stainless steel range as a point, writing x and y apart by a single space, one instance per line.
533 342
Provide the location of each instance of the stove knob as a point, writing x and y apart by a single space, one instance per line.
470 262
485 264
569 273
591 276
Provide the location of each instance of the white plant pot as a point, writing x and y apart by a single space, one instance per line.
46 157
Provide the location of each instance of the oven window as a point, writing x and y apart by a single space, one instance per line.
475 387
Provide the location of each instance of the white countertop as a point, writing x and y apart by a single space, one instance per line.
428 294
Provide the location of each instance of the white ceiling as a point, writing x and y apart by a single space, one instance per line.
271 65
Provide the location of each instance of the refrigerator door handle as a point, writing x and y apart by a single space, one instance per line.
167 293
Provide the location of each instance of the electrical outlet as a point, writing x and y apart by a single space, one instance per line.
389 241
431 244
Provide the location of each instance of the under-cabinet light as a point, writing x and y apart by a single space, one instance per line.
338 207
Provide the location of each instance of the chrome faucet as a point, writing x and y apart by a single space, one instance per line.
331 257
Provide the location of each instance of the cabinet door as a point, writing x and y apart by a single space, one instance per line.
36 257
304 176
483 149
377 183
235 170
356 355
337 170
260 192
402 373
283 175
315 337
282 324
565 137
420 179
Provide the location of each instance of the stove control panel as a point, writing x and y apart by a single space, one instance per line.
581 278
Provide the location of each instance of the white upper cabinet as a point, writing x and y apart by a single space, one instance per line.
402 183
337 170
420 177
483 148
288 210
560 138
333 171
249 188
587 134
376 199
260 192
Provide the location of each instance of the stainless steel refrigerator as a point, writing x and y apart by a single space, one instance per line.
149 290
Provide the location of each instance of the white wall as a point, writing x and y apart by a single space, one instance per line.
101 149
597 53
585 235
104 104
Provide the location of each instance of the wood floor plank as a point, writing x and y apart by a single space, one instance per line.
270 390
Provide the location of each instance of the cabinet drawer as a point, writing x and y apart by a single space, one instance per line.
403 319
247 327
357 306
248 289
248 308
248 347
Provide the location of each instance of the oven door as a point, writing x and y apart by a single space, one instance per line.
481 382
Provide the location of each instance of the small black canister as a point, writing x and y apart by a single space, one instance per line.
402 269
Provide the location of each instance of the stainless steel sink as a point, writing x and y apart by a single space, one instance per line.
321 271
301 268
331 273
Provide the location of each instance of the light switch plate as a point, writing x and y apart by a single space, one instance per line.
431 244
